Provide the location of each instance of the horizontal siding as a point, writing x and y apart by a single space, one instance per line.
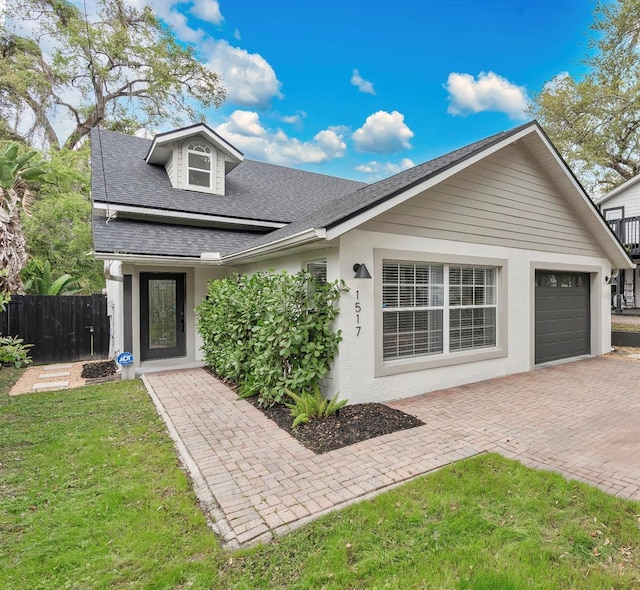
505 199
171 170
629 199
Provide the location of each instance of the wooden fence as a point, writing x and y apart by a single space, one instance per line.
61 328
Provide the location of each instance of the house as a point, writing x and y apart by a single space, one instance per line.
621 209
487 261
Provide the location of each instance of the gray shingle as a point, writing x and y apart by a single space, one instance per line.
127 236
255 190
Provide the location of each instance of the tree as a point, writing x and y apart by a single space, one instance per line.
58 230
16 170
594 120
124 69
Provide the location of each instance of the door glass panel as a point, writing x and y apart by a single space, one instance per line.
163 326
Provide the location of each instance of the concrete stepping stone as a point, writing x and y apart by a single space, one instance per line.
51 375
58 367
50 385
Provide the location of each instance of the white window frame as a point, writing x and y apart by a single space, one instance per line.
446 357
206 150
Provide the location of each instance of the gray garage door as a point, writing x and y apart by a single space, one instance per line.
562 315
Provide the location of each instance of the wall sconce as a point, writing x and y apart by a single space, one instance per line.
361 271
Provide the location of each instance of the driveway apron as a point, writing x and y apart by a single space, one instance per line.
255 481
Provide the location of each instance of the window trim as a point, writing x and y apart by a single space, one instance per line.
187 168
608 209
405 365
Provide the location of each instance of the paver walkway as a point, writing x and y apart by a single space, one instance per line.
580 419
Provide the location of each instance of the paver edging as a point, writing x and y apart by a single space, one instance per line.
214 516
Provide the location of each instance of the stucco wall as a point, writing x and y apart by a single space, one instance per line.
196 290
356 365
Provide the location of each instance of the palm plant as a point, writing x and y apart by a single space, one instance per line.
45 285
16 170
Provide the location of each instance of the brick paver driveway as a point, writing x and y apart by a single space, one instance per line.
581 419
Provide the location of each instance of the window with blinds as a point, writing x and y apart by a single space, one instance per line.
472 307
422 303
318 270
413 307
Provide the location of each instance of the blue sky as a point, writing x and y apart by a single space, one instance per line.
362 89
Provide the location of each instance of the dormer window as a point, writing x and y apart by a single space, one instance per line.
199 165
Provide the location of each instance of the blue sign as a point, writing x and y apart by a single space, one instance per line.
125 359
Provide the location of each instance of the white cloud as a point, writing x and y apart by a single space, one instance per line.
489 92
383 169
245 131
208 11
236 35
248 77
291 119
362 84
331 143
383 133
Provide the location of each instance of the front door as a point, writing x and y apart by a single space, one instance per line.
162 315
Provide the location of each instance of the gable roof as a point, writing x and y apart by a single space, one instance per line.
254 190
620 188
373 194
320 207
351 210
160 148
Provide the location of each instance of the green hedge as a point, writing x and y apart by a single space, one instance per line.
270 332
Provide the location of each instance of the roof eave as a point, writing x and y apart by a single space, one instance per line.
276 247
161 140
157 259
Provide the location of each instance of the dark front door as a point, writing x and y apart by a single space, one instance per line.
162 315
563 319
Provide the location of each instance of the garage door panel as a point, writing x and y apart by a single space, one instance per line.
562 315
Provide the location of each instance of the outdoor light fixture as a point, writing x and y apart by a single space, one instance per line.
361 271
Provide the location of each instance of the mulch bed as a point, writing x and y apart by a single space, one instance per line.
350 425
97 370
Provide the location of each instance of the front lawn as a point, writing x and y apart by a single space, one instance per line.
91 496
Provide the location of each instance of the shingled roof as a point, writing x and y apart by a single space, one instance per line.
254 190
127 236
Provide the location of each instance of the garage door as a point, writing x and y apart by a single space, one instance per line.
562 315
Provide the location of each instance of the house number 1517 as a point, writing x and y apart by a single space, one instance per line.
358 309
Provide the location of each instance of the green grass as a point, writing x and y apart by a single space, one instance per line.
91 496
8 376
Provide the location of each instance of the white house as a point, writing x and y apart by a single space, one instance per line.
621 209
487 261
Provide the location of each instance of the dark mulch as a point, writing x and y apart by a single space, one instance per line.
96 370
350 425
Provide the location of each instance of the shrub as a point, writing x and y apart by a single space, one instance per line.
270 332
307 406
13 351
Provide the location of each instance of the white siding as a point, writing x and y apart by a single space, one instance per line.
506 199
627 198
171 169
179 170
218 172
